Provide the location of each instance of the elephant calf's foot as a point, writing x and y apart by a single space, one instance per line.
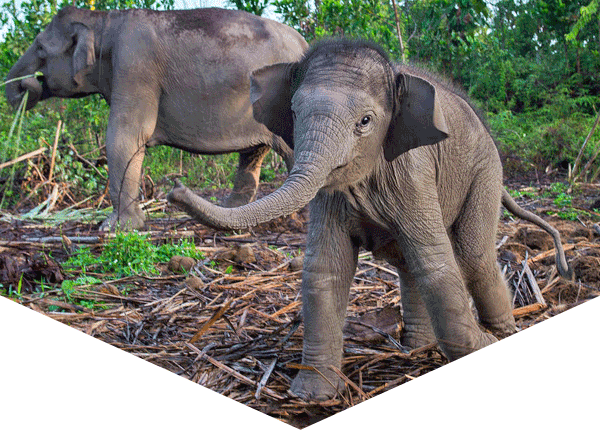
501 327
454 349
312 386
413 339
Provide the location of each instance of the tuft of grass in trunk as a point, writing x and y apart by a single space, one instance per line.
13 142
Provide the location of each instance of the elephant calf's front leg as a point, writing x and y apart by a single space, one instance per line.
329 266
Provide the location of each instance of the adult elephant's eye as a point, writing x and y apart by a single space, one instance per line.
365 120
41 53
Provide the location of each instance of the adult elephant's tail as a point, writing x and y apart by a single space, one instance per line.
561 262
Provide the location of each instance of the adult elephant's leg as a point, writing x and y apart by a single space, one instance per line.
474 239
284 151
417 330
247 176
329 267
131 123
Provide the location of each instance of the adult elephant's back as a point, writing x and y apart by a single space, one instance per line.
205 106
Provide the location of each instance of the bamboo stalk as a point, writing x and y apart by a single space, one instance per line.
400 42
60 239
534 285
23 158
550 252
361 393
526 310
286 309
588 165
220 312
263 381
54 147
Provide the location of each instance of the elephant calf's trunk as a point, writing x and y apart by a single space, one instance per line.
283 201
304 181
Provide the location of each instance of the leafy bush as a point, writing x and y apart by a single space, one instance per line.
544 137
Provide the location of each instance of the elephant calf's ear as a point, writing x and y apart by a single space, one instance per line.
271 97
418 119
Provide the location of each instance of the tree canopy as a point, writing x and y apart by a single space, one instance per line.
532 65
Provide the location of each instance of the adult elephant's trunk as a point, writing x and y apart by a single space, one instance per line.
25 66
304 181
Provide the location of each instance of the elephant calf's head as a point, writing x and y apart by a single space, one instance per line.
343 108
345 104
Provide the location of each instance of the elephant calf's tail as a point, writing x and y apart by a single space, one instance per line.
561 262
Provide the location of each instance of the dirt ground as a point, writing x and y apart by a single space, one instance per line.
232 322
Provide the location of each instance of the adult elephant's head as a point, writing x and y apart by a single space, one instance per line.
64 53
343 109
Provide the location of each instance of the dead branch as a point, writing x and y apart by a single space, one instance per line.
23 158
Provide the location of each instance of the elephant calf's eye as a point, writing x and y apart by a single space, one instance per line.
362 125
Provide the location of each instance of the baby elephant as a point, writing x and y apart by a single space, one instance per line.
393 160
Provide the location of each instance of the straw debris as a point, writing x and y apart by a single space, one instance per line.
231 321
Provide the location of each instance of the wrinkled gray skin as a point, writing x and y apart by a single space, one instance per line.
178 78
394 161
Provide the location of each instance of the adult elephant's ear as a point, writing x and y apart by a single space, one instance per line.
418 119
84 54
271 97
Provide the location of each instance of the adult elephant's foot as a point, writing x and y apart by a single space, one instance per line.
239 198
247 177
131 220
309 385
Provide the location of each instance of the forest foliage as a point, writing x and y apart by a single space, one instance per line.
531 65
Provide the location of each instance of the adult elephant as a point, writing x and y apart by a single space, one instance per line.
396 161
178 78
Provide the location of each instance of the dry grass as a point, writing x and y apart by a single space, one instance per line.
239 333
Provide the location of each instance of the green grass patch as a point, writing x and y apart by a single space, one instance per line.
130 253
522 193
127 254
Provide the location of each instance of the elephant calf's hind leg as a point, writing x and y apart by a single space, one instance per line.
474 235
